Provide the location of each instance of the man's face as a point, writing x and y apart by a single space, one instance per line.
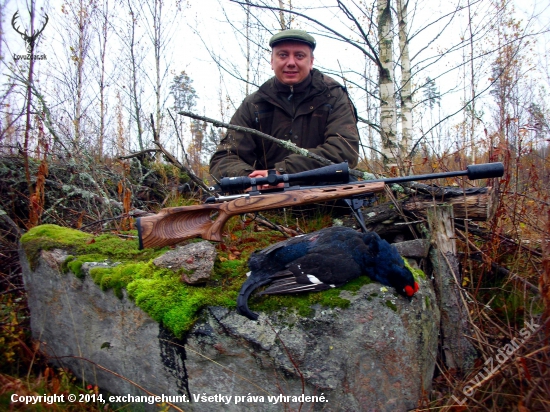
291 61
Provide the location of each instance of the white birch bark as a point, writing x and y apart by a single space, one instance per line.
282 15
386 83
406 89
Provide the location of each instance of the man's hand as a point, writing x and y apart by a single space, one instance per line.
263 173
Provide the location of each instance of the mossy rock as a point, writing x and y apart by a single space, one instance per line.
159 291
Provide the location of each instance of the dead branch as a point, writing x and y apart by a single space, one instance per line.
287 145
187 170
286 231
138 154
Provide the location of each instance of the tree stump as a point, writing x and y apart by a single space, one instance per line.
457 349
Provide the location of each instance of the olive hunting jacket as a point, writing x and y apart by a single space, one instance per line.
316 114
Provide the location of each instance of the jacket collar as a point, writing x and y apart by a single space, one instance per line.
314 87
297 88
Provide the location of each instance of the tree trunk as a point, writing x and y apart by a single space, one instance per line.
282 15
79 72
28 107
387 88
157 21
134 94
406 93
247 91
102 97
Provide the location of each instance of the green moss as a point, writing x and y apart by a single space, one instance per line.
332 299
48 237
391 305
160 292
356 284
74 263
417 273
231 268
174 304
65 265
75 266
299 303
302 303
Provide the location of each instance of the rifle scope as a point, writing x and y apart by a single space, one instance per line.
337 173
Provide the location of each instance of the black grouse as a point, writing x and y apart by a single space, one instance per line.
322 260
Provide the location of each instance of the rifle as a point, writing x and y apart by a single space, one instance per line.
175 224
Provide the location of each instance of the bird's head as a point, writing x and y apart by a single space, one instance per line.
385 265
403 281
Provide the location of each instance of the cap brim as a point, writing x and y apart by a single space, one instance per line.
291 39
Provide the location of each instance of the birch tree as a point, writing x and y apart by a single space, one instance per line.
386 77
406 86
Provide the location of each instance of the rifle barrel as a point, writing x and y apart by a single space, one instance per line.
474 172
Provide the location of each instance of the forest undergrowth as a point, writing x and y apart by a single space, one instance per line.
505 270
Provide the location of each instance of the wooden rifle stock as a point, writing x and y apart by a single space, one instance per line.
174 224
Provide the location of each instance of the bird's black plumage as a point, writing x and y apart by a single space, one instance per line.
322 260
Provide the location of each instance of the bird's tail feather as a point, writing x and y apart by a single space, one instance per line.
249 286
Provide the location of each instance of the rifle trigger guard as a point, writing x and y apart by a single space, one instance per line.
243 219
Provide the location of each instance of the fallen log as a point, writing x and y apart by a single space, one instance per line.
478 203
385 219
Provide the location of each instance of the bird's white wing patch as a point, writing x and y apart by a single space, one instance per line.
314 280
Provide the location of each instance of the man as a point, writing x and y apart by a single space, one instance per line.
299 104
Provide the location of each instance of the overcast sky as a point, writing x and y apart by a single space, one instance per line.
202 26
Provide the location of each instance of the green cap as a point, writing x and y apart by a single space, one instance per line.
295 35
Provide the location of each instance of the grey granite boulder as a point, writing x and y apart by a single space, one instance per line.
196 258
376 355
